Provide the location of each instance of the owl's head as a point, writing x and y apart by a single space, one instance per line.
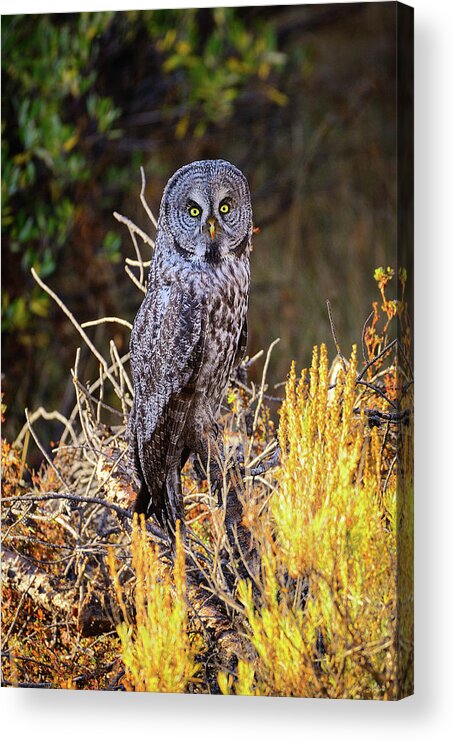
206 210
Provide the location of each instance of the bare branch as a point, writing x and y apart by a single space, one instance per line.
78 499
376 359
334 335
365 325
131 225
102 320
44 453
78 327
133 278
136 263
41 412
144 202
262 389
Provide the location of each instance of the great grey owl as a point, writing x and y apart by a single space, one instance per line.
190 331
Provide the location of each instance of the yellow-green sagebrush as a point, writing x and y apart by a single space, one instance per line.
156 648
332 525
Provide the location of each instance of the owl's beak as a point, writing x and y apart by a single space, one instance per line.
212 227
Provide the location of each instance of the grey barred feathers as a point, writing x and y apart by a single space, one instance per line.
190 331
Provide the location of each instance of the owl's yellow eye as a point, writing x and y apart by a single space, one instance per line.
224 208
194 211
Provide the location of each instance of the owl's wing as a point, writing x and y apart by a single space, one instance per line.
166 353
241 348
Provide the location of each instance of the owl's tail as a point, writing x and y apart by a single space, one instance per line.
160 497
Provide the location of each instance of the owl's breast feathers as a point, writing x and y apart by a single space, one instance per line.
188 334
225 298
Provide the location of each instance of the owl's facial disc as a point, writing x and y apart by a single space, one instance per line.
208 210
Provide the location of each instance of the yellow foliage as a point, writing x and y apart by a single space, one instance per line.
156 648
325 620
245 684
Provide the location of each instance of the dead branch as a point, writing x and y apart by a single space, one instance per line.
122 513
42 413
103 320
334 335
22 575
92 617
131 225
78 327
144 202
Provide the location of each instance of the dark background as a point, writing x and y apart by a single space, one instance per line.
301 98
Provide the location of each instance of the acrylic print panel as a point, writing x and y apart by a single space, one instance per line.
208 420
